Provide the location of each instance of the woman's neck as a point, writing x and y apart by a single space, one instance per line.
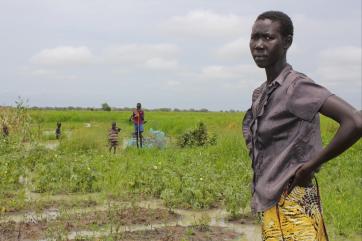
273 72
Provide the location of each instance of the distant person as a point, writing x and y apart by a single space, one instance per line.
282 132
58 131
138 118
5 130
113 137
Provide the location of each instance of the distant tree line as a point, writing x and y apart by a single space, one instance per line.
107 107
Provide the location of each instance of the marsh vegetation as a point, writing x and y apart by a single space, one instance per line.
87 180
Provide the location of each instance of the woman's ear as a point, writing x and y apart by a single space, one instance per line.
288 41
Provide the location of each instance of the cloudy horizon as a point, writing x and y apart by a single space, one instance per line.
185 54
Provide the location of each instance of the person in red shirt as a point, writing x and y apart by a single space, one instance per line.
138 118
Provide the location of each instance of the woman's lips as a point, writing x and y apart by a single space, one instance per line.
260 57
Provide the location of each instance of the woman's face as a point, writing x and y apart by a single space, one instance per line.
267 45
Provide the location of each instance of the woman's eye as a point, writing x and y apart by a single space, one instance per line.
267 37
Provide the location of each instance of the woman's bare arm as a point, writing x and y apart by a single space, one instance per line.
349 132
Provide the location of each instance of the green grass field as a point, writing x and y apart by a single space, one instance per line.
198 178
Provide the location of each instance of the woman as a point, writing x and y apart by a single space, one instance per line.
282 132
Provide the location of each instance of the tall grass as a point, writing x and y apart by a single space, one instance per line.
201 177
341 181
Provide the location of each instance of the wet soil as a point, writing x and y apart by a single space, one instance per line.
174 233
243 219
71 222
81 217
123 217
47 204
11 231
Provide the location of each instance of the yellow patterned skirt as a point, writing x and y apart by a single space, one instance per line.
296 217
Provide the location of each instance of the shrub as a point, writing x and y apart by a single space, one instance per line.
18 121
106 107
197 137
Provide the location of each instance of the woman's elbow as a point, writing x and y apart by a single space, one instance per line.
357 120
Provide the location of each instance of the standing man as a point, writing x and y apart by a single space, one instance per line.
282 132
138 118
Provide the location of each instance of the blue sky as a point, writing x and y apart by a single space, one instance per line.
177 54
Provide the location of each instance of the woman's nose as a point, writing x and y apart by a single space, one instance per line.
259 44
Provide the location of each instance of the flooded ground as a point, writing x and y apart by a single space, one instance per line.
98 217
81 217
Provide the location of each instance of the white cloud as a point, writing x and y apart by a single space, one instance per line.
49 74
204 23
340 66
187 48
161 64
173 83
140 53
243 71
38 74
219 72
234 50
63 56
294 49
42 72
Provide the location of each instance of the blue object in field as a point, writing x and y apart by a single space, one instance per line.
132 142
154 139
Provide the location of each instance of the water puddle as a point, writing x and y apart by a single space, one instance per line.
248 232
186 218
31 216
217 217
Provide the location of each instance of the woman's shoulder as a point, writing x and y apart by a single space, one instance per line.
295 76
298 81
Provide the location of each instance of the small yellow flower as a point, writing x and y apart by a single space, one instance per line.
155 167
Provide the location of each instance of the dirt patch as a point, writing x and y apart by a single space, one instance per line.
19 231
37 229
174 233
120 216
243 219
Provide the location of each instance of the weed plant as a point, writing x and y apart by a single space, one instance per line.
196 137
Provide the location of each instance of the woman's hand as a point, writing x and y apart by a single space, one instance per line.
302 177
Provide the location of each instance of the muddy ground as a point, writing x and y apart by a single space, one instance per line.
89 218
72 222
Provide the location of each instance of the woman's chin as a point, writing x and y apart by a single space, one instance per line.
261 64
